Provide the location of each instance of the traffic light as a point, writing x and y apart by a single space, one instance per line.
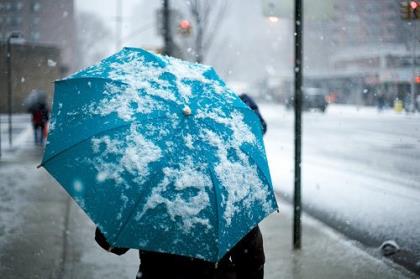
185 27
410 10
415 6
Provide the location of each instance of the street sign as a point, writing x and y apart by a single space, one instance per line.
314 10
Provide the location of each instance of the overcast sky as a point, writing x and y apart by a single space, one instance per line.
138 19
245 48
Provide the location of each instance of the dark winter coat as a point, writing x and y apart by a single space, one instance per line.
251 103
40 115
245 260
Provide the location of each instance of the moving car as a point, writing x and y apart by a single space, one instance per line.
313 98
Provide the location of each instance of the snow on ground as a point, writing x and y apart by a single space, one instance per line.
21 132
14 179
352 167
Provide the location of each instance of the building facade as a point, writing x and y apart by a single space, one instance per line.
361 22
42 22
369 50
34 67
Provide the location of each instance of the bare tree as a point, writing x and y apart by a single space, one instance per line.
208 16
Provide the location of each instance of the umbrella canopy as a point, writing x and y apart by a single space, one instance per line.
160 154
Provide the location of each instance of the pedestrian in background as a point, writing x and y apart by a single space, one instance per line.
40 117
251 103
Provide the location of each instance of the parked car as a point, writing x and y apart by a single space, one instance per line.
313 98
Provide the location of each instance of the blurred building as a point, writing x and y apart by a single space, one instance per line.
369 52
42 22
360 22
33 67
48 28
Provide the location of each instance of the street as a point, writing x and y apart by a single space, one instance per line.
361 172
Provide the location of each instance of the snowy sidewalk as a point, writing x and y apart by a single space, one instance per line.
43 234
324 254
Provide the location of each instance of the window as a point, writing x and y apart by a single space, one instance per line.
19 5
36 7
35 36
15 21
36 20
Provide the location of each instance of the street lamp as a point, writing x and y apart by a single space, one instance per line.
12 35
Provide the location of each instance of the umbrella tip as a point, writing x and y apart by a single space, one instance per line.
187 111
40 165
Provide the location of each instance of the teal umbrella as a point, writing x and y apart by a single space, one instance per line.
160 154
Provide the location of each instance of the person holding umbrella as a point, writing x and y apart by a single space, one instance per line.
164 158
244 261
36 105
40 117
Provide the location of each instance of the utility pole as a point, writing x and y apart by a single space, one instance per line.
118 22
167 49
298 99
272 11
413 68
410 10
0 136
13 35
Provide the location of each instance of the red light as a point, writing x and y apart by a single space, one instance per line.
184 24
418 79
414 5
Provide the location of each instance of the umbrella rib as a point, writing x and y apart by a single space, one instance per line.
89 77
83 140
131 213
218 201
89 137
137 201
267 180
217 193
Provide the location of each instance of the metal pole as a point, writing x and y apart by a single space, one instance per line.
9 86
413 78
297 231
166 29
0 136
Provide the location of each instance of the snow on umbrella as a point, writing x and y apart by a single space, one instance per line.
160 154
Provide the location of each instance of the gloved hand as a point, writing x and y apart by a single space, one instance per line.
101 240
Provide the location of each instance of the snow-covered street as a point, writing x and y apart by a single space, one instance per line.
361 172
